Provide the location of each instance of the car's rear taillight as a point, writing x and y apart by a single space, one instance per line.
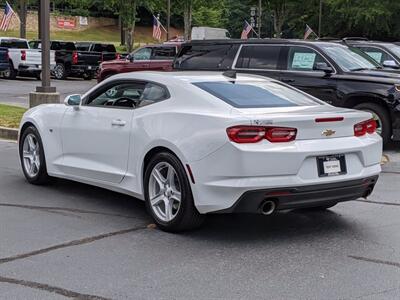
365 127
280 134
74 58
23 55
245 134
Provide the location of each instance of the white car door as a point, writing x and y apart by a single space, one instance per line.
96 136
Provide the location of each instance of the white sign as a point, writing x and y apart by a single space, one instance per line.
375 55
83 21
303 60
332 166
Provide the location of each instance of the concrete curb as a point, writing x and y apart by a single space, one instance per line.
9 133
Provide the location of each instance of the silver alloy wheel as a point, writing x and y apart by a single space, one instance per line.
58 71
164 191
31 155
377 120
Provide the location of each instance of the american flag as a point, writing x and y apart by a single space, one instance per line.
246 30
8 14
156 28
308 32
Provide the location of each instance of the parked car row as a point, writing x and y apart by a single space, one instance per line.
68 59
22 60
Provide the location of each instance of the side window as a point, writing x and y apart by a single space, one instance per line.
303 59
202 57
142 54
259 57
126 95
164 53
377 54
153 93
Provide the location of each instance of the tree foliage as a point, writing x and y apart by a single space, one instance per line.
376 19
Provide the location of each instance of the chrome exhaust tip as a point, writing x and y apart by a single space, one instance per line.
268 207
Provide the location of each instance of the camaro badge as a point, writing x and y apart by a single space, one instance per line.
328 132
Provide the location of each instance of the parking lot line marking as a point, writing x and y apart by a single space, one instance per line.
51 289
74 210
379 202
377 261
70 244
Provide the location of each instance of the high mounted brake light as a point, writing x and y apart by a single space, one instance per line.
365 127
244 134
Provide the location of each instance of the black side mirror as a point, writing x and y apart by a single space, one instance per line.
322 66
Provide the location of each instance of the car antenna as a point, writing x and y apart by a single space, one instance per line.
230 74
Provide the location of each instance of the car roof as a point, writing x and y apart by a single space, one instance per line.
258 41
188 76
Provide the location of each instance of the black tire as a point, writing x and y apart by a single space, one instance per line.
88 76
41 177
38 75
383 116
60 72
11 73
187 216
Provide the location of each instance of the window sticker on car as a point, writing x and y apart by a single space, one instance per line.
303 60
375 55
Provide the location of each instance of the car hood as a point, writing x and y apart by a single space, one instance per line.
379 76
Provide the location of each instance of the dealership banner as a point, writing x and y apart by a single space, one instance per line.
66 23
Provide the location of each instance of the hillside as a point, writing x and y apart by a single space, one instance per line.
143 35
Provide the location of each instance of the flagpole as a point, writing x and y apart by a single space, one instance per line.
252 29
160 24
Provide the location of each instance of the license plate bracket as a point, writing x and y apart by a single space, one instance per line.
331 165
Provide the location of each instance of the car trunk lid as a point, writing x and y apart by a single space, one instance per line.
312 122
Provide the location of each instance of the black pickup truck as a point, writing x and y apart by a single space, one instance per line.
4 60
329 71
107 51
71 62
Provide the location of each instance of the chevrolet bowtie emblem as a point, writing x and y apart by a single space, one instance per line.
328 132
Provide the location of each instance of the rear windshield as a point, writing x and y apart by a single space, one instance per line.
256 94
14 44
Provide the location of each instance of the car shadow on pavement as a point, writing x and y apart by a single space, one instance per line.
222 227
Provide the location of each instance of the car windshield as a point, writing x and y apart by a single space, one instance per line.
347 59
257 94
394 48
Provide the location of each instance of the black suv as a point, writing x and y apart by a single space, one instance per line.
329 71
387 54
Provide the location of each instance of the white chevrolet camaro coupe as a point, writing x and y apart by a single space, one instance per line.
194 143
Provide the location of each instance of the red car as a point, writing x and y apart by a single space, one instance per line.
152 57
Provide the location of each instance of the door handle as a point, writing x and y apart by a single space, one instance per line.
287 80
118 122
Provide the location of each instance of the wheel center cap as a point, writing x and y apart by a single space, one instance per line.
168 192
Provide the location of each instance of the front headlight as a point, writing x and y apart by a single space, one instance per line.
397 87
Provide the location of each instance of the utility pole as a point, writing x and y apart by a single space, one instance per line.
259 18
168 19
320 18
22 18
44 93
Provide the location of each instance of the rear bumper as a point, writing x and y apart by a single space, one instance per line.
32 68
303 196
83 69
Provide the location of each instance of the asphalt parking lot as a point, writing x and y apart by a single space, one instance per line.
69 240
16 92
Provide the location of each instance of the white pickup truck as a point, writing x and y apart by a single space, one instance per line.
23 61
